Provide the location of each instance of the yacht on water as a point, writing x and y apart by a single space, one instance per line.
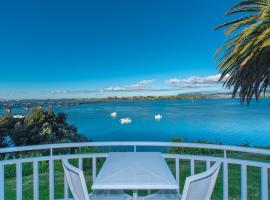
158 117
125 120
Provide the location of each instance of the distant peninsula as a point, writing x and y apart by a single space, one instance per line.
8 105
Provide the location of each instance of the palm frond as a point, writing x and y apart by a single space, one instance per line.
244 60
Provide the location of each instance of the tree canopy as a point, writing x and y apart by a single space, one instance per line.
39 127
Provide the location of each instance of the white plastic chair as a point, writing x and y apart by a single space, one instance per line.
197 187
78 188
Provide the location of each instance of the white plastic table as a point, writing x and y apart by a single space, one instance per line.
135 171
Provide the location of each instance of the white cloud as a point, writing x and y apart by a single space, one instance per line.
145 82
140 86
56 92
196 82
172 86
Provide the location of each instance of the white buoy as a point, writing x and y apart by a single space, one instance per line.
158 117
125 121
114 114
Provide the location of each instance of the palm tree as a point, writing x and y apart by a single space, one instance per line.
244 60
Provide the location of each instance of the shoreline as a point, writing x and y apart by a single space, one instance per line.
22 103
35 103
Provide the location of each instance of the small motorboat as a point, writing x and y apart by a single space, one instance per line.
158 117
114 114
18 116
125 120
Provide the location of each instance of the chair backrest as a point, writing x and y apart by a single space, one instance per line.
76 181
201 186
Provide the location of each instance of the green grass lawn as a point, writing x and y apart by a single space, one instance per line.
200 166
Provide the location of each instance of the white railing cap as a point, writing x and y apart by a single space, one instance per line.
135 143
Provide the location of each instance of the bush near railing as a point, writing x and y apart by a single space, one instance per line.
194 151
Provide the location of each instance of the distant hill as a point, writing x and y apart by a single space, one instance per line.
31 103
205 95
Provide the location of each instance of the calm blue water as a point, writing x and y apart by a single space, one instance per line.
223 120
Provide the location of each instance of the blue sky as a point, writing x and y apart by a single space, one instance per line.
87 48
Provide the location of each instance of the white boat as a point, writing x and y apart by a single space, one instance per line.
114 114
18 116
158 117
125 120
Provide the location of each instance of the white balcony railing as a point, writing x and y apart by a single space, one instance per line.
133 146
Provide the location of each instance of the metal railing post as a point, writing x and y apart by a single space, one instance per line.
264 183
177 172
243 182
225 176
94 166
36 180
2 181
19 181
66 189
51 175
192 167
51 151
